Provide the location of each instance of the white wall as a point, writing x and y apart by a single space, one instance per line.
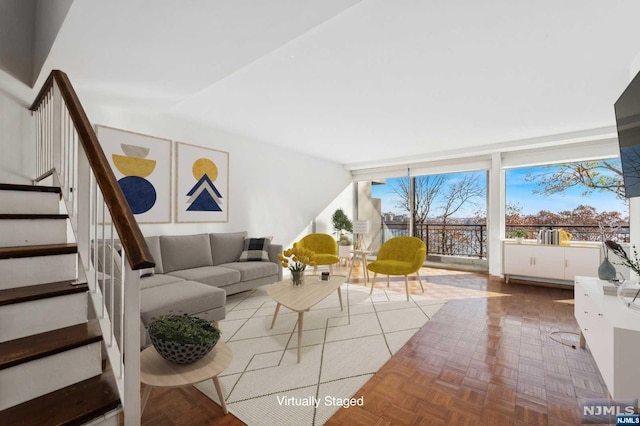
17 133
272 191
49 16
343 201
17 38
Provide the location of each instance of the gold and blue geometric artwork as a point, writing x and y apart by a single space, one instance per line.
139 192
204 196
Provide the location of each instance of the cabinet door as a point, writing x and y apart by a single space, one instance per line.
518 260
582 261
548 262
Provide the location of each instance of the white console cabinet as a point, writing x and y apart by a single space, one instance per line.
550 261
612 333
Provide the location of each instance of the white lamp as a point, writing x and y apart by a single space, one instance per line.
361 228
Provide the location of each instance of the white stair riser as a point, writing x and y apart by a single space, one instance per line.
110 419
20 272
30 232
38 316
39 377
29 202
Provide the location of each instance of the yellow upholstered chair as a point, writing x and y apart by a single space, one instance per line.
399 256
324 246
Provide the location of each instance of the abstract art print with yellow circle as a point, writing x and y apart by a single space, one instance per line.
202 184
142 166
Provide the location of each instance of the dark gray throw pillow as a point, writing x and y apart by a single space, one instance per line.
255 250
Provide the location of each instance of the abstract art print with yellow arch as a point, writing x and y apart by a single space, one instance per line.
202 184
142 165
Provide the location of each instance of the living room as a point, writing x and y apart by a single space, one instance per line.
301 121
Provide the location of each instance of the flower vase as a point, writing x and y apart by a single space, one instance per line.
606 271
297 278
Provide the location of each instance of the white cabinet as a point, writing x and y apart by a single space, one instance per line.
550 261
581 261
612 333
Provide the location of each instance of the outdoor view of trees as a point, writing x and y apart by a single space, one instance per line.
449 211
598 183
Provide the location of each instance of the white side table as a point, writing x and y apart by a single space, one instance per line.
362 254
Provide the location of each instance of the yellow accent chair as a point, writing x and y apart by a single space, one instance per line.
324 246
399 256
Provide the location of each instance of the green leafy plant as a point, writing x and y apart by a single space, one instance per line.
519 233
341 222
631 262
184 329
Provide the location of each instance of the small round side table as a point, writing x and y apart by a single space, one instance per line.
156 371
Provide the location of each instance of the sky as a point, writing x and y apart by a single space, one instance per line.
519 192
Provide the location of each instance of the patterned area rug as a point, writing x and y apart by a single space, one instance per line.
341 351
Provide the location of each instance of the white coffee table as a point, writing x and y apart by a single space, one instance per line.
302 298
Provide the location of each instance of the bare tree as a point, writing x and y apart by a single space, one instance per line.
425 191
603 175
457 195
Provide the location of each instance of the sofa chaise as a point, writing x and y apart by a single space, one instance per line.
195 273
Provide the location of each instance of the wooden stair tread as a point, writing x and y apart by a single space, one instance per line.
40 291
38 250
34 188
33 216
40 345
72 405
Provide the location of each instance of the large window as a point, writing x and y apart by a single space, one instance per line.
447 211
584 198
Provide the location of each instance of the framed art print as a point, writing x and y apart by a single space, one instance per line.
202 184
142 165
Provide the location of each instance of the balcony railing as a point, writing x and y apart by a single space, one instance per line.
470 240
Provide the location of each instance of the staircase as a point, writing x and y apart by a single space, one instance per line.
69 334
52 370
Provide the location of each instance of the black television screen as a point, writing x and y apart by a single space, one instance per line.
627 109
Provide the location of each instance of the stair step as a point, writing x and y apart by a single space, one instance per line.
52 342
21 318
18 199
19 216
32 188
72 405
41 291
16 252
33 229
34 270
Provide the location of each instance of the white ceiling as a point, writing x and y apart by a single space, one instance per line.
358 82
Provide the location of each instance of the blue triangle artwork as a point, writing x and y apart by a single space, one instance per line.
204 196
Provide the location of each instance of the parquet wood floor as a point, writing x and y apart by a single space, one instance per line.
487 358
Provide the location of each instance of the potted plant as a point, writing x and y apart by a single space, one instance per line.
341 224
183 339
345 246
519 235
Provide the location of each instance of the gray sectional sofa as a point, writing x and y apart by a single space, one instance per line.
194 274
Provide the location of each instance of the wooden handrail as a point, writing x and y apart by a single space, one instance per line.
131 237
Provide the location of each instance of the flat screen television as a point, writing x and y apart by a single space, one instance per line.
627 109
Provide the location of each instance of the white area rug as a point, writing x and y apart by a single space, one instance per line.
341 351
